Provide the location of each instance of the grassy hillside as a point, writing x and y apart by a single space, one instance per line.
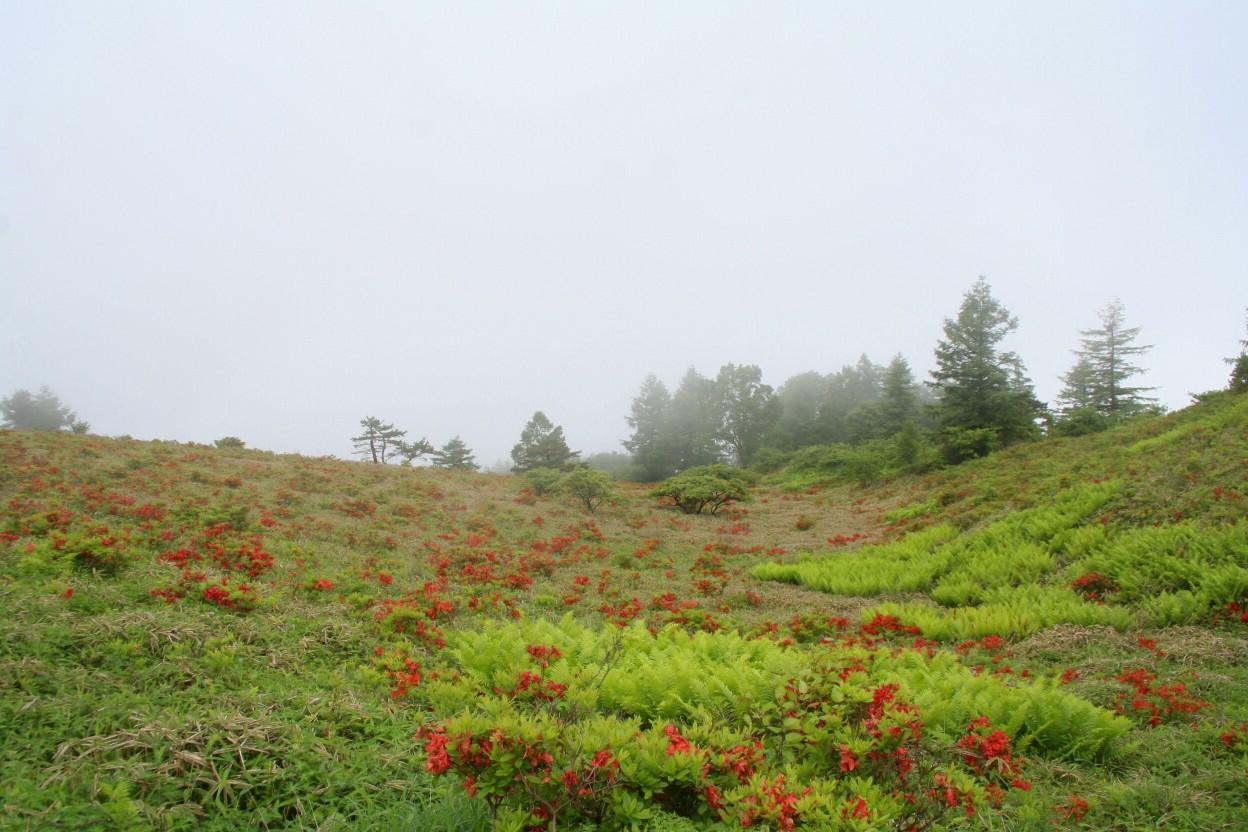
1053 637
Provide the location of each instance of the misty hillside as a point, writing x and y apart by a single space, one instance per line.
1048 637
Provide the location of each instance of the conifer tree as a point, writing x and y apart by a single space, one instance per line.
379 442
542 445
899 401
455 455
1239 368
650 443
986 399
1099 379
692 423
41 411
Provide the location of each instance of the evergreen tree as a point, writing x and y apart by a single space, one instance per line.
1239 368
692 423
748 409
986 399
802 400
899 401
1079 391
542 445
650 443
455 455
379 442
41 411
1099 379
848 389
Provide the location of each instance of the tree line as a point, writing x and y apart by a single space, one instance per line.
979 398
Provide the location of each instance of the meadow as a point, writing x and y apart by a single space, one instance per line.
1053 637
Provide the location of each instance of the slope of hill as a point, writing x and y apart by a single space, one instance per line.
221 639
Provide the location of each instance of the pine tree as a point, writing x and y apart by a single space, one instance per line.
542 445
899 401
986 399
379 442
1099 379
650 444
455 455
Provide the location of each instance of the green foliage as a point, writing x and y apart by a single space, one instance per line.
748 410
455 455
542 445
379 442
543 481
230 442
1239 369
707 488
1098 380
985 397
591 488
650 442
40 411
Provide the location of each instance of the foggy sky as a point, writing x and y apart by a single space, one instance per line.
270 220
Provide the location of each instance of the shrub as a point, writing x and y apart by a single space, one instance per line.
590 487
707 488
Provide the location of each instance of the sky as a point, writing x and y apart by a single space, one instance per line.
271 220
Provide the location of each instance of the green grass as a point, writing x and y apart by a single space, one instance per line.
121 709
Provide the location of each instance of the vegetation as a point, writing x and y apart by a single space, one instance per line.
39 411
706 488
986 400
455 455
1051 637
542 445
1098 382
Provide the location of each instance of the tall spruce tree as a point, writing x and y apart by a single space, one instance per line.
899 401
542 445
650 443
1099 379
986 399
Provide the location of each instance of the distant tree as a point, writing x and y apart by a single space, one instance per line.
613 462
650 442
1239 368
379 442
1079 389
542 445
899 398
409 452
455 455
230 442
1099 379
592 488
802 407
748 410
41 411
848 389
986 399
692 423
